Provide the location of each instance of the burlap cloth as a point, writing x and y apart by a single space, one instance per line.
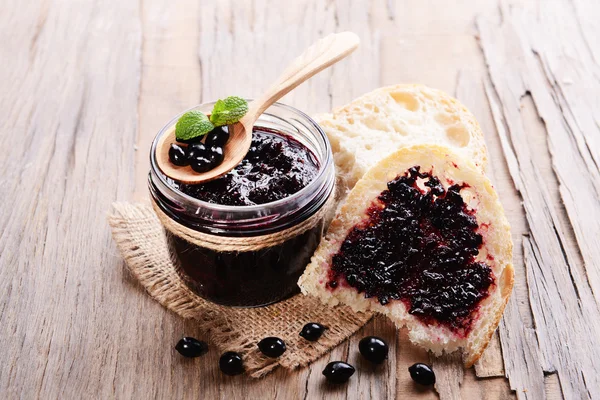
141 240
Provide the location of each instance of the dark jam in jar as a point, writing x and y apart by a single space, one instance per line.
249 278
275 167
281 186
418 245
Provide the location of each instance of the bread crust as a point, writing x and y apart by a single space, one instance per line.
508 282
386 119
480 195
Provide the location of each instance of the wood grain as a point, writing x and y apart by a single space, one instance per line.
70 92
86 86
551 162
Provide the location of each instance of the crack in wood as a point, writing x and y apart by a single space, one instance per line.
561 286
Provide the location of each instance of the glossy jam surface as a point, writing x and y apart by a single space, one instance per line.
275 167
418 245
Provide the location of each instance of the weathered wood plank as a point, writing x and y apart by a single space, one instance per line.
517 325
525 53
470 91
70 80
170 80
170 83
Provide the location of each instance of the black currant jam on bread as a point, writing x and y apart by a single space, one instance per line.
425 243
423 239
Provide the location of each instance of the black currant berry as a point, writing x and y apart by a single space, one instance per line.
338 372
199 158
195 150
373 349
231 363
422 374
178 155
272 347
191 347
217 137
312 331
216 155
201 164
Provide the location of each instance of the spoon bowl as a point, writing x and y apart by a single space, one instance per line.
234 151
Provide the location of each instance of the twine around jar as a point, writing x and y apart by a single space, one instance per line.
246 243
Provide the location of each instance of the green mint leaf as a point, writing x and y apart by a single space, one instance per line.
228 111
192 124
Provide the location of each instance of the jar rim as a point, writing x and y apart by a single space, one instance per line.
324 167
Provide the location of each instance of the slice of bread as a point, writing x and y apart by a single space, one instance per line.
496 250
386 119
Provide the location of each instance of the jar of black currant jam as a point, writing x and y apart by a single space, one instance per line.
244 239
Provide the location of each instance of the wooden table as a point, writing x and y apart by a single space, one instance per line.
85 86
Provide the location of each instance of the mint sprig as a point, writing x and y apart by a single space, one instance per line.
228 111
192 124
195 123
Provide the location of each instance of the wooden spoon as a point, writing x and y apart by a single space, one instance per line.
317 57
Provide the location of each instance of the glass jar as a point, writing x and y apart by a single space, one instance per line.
243 276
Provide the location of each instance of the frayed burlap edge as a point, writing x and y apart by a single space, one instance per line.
141 240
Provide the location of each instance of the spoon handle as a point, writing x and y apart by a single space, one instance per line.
320 55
